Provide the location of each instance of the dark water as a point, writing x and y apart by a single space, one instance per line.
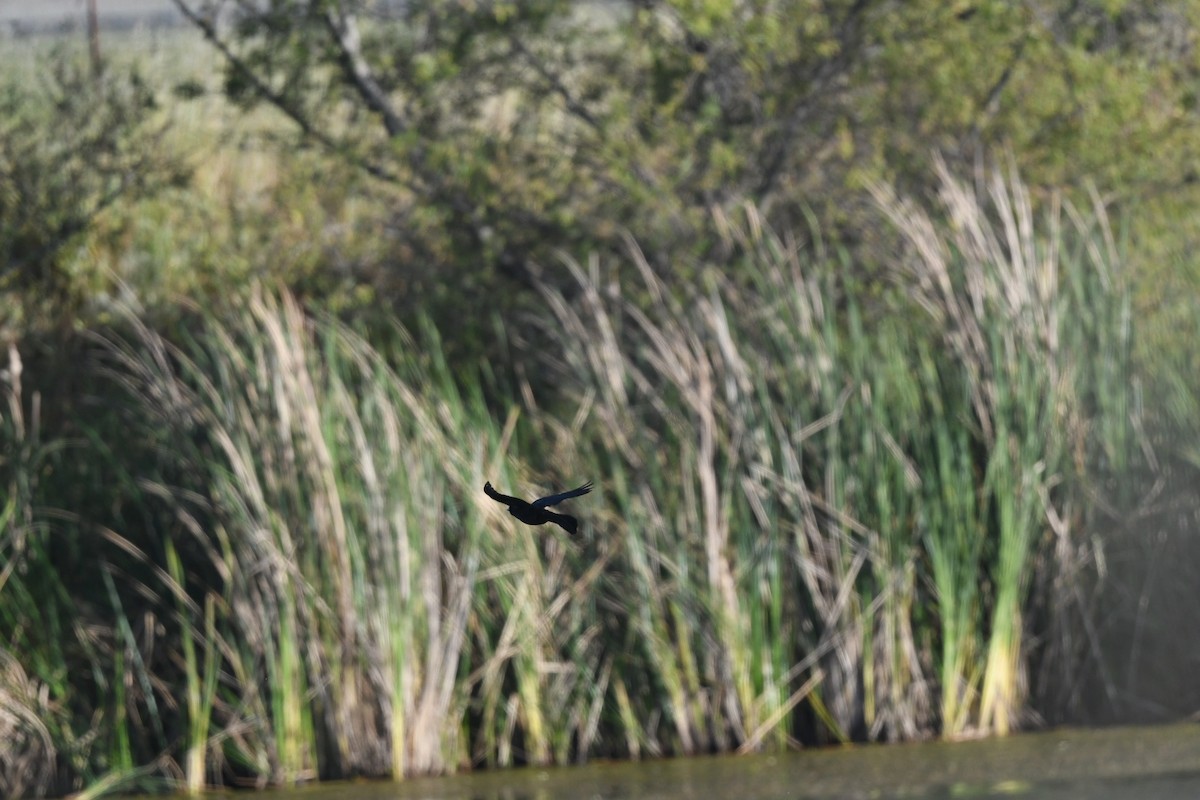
1110 764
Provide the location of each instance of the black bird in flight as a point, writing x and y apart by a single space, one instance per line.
537 513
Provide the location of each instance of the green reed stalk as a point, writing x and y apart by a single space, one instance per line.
699 536
955 533
200 679
347 476
1025 312
888 412
1025 450
35 670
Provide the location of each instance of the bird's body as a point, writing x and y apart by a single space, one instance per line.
537 512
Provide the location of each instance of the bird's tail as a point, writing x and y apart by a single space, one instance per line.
564 521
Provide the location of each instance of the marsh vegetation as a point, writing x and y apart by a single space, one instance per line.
889 443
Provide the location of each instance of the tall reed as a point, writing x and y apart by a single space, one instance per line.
818 516
33 665
376 609
347 564
789 478
1029 354
758 589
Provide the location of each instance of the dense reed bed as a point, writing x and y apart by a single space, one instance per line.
821 514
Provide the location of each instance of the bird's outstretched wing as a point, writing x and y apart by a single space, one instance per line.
500 498
555 499
564 521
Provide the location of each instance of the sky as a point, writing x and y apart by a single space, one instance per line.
42 12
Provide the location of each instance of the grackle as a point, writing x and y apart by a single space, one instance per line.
537 513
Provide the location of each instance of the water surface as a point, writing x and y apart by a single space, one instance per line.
1147 763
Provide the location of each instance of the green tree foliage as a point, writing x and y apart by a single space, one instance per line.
518 126
70 148
410 96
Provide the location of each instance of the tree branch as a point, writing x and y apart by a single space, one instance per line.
344 28
555 83
208 27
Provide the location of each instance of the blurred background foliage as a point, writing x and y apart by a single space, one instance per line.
528 237
437 157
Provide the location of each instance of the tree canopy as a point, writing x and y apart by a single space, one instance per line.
517 123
